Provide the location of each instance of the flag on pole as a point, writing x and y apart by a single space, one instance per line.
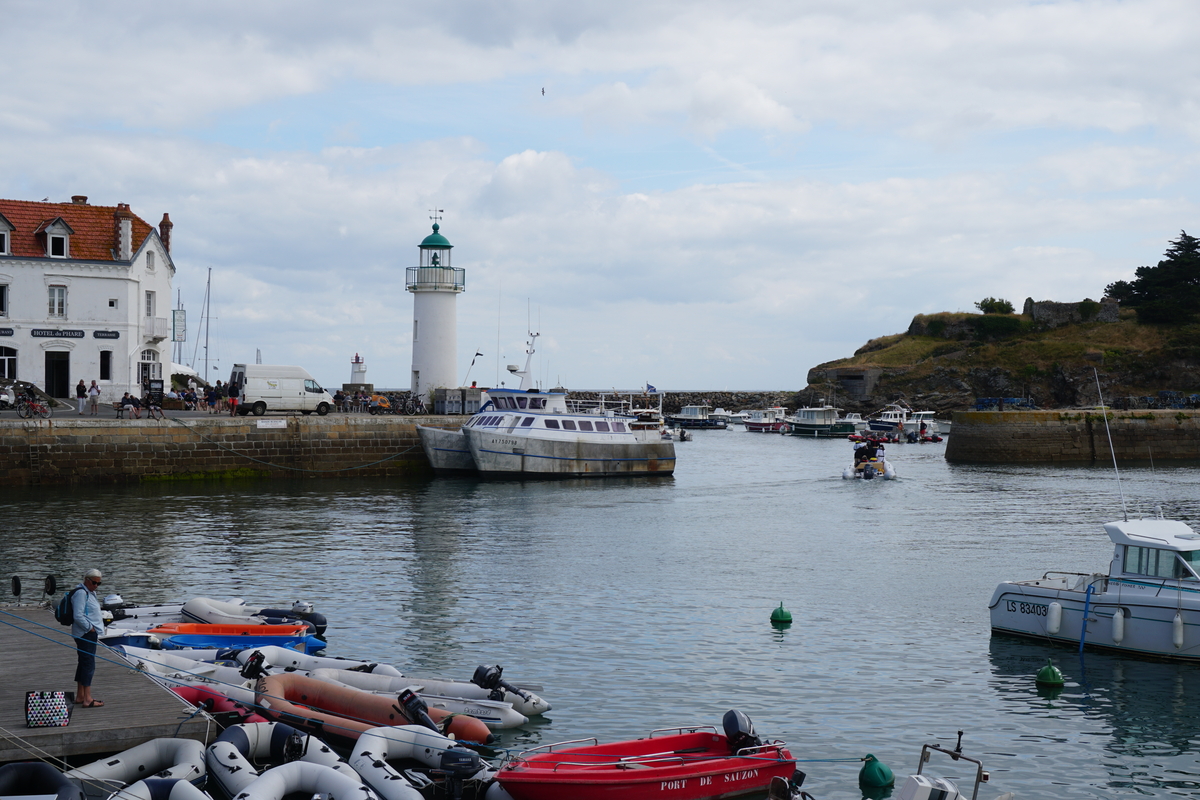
650 388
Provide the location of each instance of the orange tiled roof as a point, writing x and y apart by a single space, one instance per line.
94 238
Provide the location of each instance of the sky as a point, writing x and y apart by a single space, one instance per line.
707 195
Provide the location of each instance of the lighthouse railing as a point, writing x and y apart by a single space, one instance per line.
454 278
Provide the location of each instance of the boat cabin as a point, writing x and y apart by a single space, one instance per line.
1154 550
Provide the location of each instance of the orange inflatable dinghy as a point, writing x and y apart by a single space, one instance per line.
342 713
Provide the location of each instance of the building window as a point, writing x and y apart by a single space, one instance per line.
106 365
414 330
3 301
58 301
58 247
3 243
8 363
149 369
150 259
149 304
112 302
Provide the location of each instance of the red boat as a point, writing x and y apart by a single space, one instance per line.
682 763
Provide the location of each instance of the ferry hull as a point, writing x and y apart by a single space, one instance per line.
838 430
1148 609
499 453
447 450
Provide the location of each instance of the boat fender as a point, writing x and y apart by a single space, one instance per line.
1177 631
1054 618
1118 625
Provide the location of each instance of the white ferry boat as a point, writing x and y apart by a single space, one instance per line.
525 431
1148 603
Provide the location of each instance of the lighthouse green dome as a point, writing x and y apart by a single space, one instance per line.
435 241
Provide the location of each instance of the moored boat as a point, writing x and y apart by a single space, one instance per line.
767 420
1147 604
696 416
236 758
692 763
818 422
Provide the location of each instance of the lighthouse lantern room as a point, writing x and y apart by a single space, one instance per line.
435 285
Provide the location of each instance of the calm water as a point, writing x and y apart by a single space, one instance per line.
644 603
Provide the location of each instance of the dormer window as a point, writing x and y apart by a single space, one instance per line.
58 246
57 239
3 242
6 229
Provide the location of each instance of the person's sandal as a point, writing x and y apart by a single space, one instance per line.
94 704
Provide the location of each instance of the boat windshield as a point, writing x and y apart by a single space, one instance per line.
1162 563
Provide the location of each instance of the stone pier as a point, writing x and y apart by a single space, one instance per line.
1072 435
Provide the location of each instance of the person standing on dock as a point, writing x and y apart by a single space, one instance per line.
86 629
81 395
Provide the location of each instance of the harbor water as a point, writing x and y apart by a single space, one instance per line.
644 603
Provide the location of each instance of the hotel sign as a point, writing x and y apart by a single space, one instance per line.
48 333
106 334
6 331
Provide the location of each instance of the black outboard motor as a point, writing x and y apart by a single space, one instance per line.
457 765
489 677
416 710
253 668
739 730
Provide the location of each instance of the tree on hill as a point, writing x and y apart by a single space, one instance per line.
991 305
1169 292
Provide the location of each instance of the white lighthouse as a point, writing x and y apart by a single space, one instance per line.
435 286
358 370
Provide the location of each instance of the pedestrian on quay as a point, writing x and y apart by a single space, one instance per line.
211 399
233 399
86 626
221 404
81 395
93 393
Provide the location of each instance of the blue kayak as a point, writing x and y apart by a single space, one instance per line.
198 641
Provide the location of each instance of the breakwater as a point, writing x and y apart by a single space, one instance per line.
78 451
1072 435
730 401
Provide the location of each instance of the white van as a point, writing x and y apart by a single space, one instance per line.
269 387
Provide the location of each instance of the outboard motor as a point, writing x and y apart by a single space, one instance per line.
489 677
295 747
253 668
739 730
416 710
458 765
868 472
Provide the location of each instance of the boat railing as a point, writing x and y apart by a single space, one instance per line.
687 729
980 775
761 748
549 748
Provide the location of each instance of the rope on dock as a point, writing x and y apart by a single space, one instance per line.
182 424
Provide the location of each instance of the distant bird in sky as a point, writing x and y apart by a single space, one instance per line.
543 91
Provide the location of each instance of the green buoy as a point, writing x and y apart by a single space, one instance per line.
1049 675
875 774
781 615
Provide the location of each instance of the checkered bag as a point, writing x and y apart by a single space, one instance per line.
47 710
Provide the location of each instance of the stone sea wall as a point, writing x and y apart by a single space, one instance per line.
71 451
730 401
1076 435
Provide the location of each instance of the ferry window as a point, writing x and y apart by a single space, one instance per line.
525 423
552 423
1158 563
584 425
537 402
521 402
602 427
507 402
619 427
568 425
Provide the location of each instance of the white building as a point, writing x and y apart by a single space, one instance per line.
85 293
435 286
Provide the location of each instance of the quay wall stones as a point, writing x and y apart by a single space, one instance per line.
50 452
1077 435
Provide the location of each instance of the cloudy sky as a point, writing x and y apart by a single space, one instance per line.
707 196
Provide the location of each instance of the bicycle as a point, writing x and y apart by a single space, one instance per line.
27 409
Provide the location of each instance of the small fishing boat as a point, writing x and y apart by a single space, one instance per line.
37 778
187 641
692 763
378 751
236 758
224 709
161 789
696 416
1148 603
190 628
818 422
304 779
767 420
158 758
236 612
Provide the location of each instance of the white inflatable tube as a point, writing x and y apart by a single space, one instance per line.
280 658
207 611
311 779
377 746
159 789
232 756
210 654
162 758
438 694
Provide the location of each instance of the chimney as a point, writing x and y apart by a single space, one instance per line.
123 232
164 232
79 199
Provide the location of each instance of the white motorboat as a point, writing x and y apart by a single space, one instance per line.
818 422
870 462
721 415
1148 603
739 417
766 420
525 431
697 416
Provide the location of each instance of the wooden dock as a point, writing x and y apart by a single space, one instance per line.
38 654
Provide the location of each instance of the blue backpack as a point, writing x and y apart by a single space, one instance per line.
64 612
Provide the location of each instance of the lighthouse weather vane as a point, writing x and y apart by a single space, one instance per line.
435 214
